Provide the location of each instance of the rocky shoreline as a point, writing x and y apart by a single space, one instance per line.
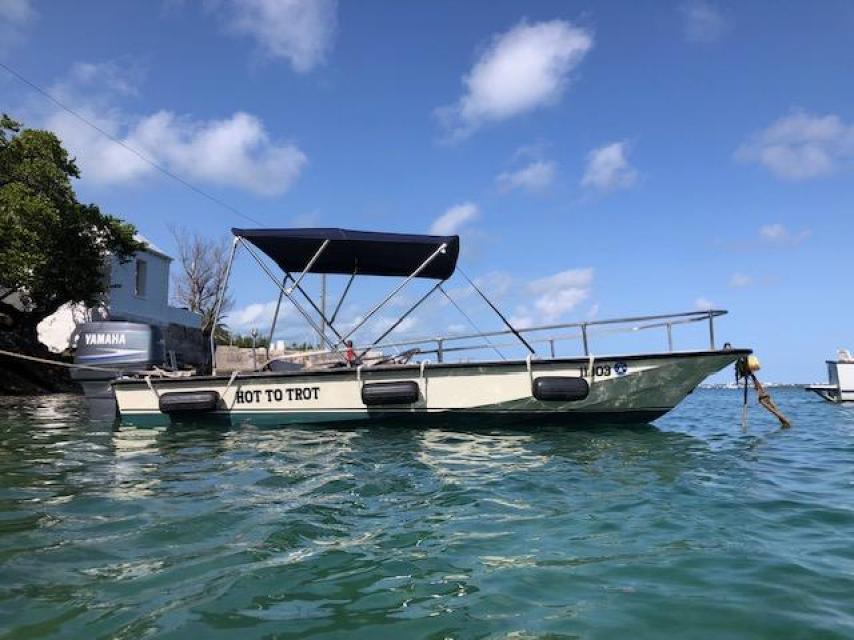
24 378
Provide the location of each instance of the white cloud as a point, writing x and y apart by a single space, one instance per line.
536 177
405 328
299 31
101 77
256 315
290 325
307 219
740 280
702 304
495 284
561 292
521 319
523 69
555 296
800 146
608 168
235 151
778 235
15 17
454 219
701 21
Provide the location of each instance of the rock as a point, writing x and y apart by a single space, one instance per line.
22 377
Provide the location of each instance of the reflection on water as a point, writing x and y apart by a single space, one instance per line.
689 525
479 454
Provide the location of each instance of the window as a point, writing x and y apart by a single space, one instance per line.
140 282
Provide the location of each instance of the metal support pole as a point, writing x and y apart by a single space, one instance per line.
309 265
670 337
322 305
313 305
584 339
273 324
711 330
497 312
254 334
552 347
440 350
471 322
299 308
401 319
412 275
343 296
219 301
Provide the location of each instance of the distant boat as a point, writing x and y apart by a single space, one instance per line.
414 381
840 377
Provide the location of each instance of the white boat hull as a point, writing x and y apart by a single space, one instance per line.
841 382
637 388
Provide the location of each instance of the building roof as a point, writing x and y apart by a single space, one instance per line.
150 247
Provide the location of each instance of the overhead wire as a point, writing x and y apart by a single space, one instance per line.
20 77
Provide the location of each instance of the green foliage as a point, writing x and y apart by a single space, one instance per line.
246 341
226 338
52 247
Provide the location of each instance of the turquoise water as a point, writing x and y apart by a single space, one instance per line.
691 528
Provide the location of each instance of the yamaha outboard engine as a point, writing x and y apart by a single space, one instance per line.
118 347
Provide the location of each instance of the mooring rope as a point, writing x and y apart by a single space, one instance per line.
745 368
69 365
765 400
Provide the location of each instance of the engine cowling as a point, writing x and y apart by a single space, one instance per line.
118 347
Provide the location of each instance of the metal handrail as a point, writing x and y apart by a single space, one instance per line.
663 320
667 321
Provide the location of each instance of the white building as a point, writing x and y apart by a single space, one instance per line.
138 292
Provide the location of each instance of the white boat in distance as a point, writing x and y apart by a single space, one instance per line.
840 377
355 385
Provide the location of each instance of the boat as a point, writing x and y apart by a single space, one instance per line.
840 376
419 382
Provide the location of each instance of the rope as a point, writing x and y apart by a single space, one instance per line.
765 400
743 370
67 365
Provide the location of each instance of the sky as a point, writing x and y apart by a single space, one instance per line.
597 159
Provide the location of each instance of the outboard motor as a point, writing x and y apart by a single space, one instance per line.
119 347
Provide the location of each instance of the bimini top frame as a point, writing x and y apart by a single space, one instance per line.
341 251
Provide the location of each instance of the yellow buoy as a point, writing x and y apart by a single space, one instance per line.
752 364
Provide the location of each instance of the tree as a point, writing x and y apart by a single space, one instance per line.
203 264
52 247
237 340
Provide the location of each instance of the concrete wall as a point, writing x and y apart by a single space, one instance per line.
230 359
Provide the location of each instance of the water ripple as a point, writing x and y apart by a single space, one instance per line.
692 527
